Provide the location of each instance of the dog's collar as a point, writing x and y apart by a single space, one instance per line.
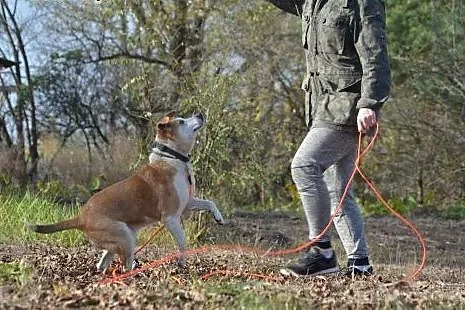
165 149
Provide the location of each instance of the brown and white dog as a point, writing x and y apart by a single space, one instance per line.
161 191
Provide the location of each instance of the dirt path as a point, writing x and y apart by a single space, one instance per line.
63 277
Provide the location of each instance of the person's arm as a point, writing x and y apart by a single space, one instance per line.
370 43
290 6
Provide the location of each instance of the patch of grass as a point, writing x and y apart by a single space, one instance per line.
251 295
456 212
403 206
16 273
196 227
18 209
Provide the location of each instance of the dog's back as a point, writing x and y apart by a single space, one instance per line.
137 201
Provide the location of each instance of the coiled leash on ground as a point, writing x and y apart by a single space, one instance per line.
262 252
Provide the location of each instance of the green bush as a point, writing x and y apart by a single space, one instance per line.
455 212
54 189
227 161
403 206
244 153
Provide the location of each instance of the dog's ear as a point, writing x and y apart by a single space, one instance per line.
165 122
171 114
164 129
163 125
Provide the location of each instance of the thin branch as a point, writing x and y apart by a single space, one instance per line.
127 55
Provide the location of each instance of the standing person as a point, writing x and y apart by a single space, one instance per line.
347 82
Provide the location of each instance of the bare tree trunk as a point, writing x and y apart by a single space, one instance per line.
20 149
18 110
178 48
25 97
187 43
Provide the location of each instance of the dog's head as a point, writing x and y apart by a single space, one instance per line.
177 132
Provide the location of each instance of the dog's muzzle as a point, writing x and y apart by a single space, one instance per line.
198 120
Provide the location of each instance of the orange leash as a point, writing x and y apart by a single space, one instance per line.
415 274
151 237
303 246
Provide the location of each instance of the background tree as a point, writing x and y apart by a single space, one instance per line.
19 107
424 133
157 42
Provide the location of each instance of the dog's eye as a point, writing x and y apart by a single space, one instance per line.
181 122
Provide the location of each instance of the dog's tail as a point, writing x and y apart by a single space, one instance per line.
51 228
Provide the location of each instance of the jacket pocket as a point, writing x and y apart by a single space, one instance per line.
340 108
333 31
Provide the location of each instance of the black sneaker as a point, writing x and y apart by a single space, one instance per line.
357 271
313 263
358 267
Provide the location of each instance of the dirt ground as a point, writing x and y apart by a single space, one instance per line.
66 277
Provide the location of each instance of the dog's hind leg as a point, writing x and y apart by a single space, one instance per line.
126 248
173 223
116 238
105 261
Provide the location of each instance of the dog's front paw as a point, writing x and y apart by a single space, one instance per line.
218 218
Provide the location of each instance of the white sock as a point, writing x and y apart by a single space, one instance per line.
363 267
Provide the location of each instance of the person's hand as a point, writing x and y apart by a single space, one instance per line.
366 119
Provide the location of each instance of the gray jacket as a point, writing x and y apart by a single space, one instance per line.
346 55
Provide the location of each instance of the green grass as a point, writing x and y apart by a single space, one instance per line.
18 273
195 227
403 206
18 209
456 212
252 295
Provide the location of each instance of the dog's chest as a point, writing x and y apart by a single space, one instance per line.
184 184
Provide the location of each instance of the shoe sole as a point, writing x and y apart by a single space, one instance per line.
288 272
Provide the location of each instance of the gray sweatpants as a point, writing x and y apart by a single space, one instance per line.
320 169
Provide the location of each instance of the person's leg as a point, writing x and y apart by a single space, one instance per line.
349 221
321 148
